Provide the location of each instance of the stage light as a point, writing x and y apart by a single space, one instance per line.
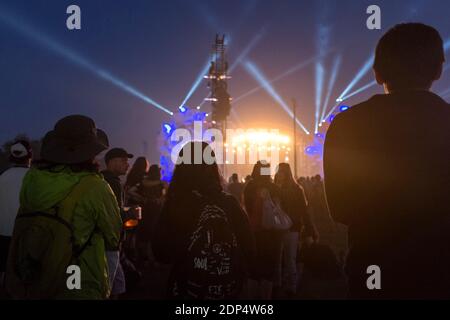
167 128
261 140
334 73
197 82
361 73
182 109
311 150
262 80
363 88
343 108
331 118
42 39
198 107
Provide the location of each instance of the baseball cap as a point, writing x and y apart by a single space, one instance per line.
117 153
21 149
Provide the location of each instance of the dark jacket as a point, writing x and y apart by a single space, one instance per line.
253 201
293 202
116 186
179 219
387 176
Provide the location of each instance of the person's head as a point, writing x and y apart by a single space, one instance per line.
116 161
409 56
75 141
318 178
284 175
138 171
154 173
234 178
248 178
21 153
261 172
200 176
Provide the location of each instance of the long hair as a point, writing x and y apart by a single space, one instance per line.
285 170
154 173
188 176
137 172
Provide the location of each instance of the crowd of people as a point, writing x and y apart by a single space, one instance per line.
265 238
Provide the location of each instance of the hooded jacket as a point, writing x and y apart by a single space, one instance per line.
96 222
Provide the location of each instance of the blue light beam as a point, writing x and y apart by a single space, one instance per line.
362 89
265 84
320 74
334 73
52 45
197 82
361 73
281 76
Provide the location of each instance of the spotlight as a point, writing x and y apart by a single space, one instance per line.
339 100
344 108
331 118
182 109
167 128
198 107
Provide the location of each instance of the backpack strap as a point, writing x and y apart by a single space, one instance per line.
65 210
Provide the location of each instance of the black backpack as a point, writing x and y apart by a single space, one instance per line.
213 264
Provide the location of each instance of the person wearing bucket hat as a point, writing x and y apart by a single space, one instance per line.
66 184
75 139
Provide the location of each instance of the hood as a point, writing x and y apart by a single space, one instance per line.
43 189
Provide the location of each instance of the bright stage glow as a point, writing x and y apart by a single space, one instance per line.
52 45
334 73
261 139
182 109
361 73
262 80
343 108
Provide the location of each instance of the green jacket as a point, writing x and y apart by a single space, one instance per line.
96 213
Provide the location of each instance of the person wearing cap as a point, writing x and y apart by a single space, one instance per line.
117 165
10 184
68 161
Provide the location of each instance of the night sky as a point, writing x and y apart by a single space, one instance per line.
159 48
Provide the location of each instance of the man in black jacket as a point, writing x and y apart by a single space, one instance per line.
387 172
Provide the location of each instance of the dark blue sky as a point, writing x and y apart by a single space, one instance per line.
159 47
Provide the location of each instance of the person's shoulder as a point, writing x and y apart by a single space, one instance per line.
359 110
95 184
14 172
